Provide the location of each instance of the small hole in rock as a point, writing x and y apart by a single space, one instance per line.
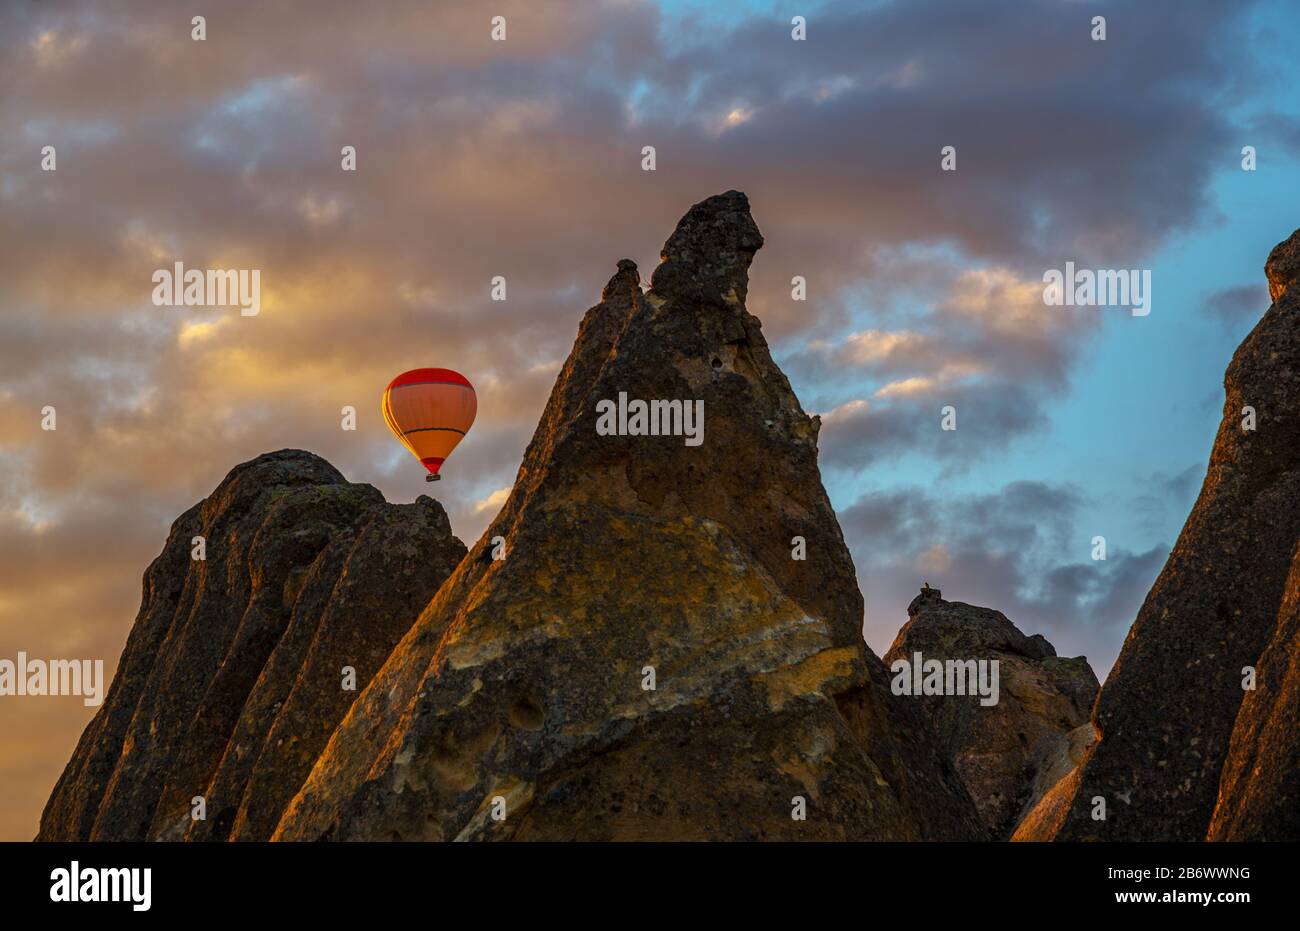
717 363
527 714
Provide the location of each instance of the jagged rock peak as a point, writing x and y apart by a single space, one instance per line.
284 466
1282 266
628 554
623 282
928 596
1009 753
707 257
971 627
230 681
1187 749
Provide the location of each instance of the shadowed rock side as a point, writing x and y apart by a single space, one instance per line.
304 573
1259 792
1011 753
1185 752
632 556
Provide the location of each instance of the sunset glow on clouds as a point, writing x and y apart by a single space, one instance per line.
522 159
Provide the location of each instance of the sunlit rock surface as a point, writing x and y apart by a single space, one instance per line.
232 677
516 707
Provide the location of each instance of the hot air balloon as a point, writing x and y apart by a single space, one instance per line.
430 411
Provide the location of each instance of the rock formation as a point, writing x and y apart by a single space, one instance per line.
232 678
633 650
660 639
1011 753
1259 791
1185 752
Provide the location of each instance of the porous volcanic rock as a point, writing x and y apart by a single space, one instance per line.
1185 751
1259 791
1011 753
231 680
519 705
1282 266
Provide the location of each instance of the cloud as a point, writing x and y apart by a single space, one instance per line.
492 503
1025 550
522 159
1167 494
1239 305
986 345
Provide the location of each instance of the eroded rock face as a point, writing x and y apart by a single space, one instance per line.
1282 266
1185 752
526 679
1259 791
1008 754
231 679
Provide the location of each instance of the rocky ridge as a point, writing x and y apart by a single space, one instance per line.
232 678
1187 750
649 660
1008 754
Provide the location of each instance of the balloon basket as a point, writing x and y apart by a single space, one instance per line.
431 477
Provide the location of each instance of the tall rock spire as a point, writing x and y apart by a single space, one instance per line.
231 679
1198 718
632 650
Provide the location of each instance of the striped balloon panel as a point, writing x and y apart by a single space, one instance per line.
430 414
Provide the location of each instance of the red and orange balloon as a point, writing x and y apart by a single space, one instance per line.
430 411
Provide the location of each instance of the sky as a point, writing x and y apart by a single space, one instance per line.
523 158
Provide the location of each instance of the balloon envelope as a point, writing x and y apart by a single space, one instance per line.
430 411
